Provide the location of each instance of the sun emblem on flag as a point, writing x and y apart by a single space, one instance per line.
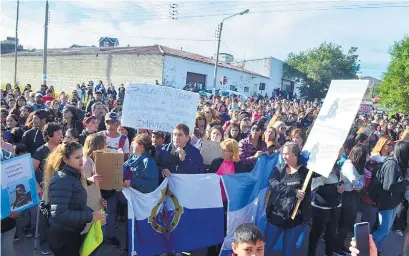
166 214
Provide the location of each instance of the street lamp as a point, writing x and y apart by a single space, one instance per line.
218 45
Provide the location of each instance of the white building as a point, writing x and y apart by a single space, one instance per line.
273 69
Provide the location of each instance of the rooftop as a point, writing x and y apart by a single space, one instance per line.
145 50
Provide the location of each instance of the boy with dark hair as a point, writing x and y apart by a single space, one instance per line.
248 240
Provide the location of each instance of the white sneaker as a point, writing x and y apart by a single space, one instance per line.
399 233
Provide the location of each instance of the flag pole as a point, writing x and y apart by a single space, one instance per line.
304 187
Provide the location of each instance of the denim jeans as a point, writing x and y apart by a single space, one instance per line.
290 238
386 218
370 215
112 201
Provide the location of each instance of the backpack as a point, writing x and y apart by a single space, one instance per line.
375 186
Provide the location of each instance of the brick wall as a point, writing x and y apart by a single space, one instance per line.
66 71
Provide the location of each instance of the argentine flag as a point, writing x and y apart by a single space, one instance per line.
247 195
184 213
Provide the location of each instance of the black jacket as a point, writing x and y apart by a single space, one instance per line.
393 182
326 195
283 198
83 136
215 165
68 201
34 139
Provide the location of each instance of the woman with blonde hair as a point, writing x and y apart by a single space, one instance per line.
64 191
382 149
405 135
92 143
229 163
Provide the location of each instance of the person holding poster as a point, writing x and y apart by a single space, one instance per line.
8 225
64 190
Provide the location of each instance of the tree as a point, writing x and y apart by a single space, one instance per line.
316 67
394 88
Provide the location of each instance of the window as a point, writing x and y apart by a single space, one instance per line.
106 44
246 89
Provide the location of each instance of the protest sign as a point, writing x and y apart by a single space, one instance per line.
158 108
333 123
331 127
365 108
18 185
110 166
210 150
94 201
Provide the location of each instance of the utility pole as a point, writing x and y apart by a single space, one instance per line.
45 44
218 45
16 45
217 56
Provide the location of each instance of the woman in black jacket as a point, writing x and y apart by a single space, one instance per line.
392 184
285 186
65 193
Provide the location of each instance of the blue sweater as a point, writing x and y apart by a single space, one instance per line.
167 158
143 173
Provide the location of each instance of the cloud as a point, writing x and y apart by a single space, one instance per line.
274 33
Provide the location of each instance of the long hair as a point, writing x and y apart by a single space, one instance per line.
358 157
401 154
216 127
55 162
227 134
233 146
29 121
381 142
95 141
405 135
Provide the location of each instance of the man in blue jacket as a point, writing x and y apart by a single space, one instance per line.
179 156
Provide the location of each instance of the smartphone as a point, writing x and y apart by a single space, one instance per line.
361 234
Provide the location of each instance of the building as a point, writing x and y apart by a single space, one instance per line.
108 42
9 45
273 69
121 65
226 57
370 95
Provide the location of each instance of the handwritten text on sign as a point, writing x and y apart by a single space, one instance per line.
158 108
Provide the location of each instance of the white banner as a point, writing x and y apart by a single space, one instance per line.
333 123
158 108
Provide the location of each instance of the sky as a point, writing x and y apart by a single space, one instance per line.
271 28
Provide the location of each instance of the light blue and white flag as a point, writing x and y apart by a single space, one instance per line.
185 213
247 195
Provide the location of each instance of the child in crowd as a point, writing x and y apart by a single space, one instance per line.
248 240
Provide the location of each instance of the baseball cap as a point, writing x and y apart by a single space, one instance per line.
38 94
162 134
111 116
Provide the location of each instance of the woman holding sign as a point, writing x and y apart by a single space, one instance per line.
285 190
64 190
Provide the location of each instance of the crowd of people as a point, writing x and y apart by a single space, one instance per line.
61 130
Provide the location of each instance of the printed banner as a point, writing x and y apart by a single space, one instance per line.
183 214
18 185
333 123
158 108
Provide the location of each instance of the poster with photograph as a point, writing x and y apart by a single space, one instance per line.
18 185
